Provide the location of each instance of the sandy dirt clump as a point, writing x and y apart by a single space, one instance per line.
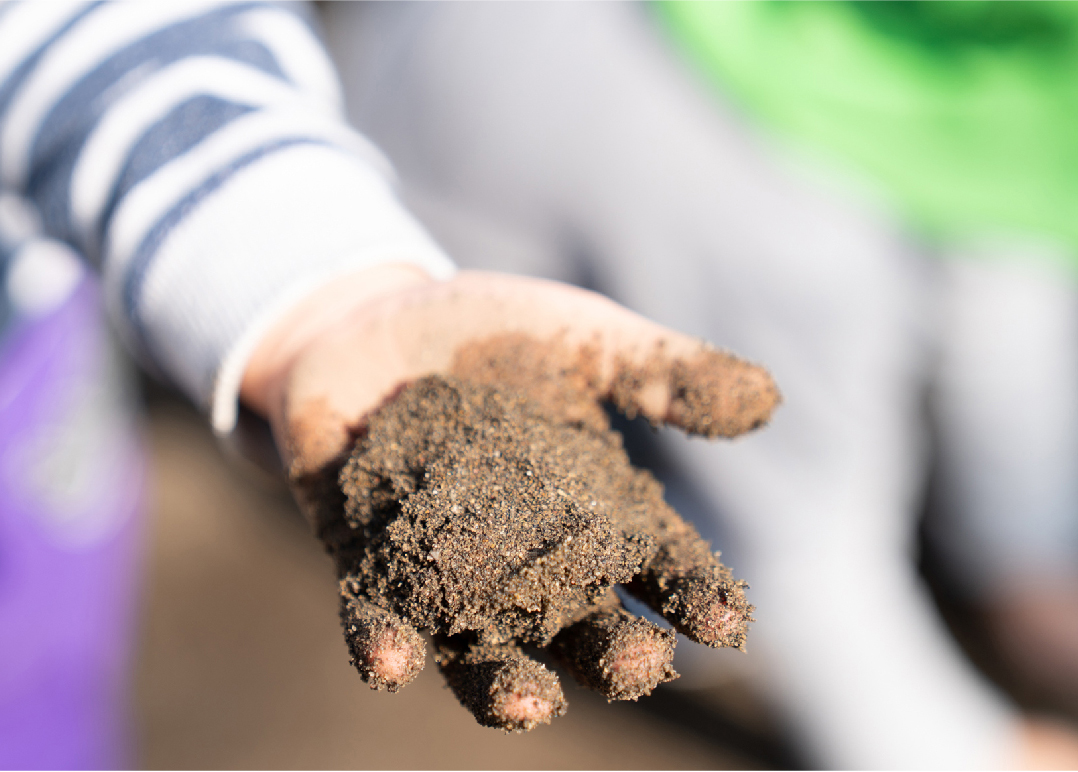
495 509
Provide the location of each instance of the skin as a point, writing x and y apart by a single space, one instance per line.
324 367
1045 743
1035 627
337 357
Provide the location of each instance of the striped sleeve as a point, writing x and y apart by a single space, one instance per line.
195 153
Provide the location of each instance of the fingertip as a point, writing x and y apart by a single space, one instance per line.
642 662
636 665
391 659
501 686
526 710
699 389
716 616
387 652
526 695
617 654
716 394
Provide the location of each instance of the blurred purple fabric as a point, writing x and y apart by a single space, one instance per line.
71 496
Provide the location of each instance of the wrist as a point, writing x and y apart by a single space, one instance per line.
267 371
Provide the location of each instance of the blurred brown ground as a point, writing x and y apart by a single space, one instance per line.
242 663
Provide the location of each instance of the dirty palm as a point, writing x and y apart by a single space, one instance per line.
493 507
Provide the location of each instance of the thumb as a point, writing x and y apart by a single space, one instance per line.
567 348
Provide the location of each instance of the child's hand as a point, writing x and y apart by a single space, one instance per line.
566 350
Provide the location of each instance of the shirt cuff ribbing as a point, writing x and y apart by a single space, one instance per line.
270 235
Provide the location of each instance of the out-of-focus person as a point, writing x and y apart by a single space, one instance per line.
877 200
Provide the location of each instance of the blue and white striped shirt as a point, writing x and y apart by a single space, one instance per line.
195 154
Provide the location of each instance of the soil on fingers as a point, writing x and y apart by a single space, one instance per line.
496 502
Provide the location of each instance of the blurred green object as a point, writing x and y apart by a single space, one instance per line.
965 113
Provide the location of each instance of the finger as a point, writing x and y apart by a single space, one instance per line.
386 650
546 338
711 393
690 587
500 685
568 348
619 655
693 386
706 605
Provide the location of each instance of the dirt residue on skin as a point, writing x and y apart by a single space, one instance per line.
615 653
494 507
711 393
563 382
387 652
500 685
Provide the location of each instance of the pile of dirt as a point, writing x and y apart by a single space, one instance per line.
478 513
474 510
